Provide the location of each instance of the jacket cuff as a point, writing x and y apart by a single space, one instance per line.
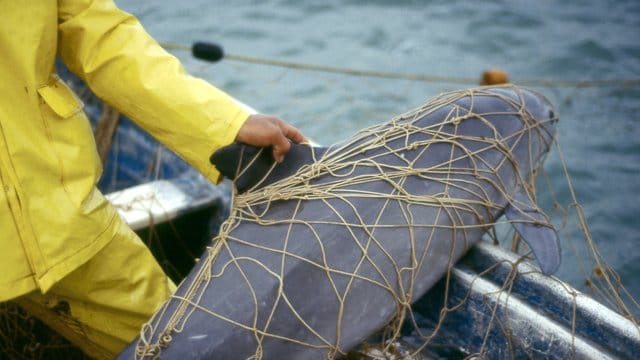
229 136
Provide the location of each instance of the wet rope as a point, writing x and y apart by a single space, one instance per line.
551 83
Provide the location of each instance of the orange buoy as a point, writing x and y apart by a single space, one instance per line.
494 77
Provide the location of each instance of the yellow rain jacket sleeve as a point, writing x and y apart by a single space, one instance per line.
123 65
52 217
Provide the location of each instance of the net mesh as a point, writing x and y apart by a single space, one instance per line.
365 191
462 207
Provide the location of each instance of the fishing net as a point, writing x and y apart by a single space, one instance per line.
365 201
22 336
465 203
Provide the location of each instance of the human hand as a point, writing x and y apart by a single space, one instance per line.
266 130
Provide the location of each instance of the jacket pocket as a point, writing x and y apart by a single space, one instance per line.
71 137
60 98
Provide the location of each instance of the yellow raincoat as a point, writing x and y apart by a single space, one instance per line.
52 218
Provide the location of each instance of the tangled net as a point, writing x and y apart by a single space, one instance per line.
367 226
365 190
24 337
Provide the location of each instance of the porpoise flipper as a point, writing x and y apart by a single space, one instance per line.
534 228
254 167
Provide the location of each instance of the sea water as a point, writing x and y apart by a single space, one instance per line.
599 129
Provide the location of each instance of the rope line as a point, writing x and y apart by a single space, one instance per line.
412 77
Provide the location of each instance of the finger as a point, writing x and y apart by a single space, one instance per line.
280 146
278 154
293 134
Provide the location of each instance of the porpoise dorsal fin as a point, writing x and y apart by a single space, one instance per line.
534 228
253 167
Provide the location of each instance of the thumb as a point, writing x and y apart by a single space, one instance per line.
281 146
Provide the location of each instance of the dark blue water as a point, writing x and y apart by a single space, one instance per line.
599 132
